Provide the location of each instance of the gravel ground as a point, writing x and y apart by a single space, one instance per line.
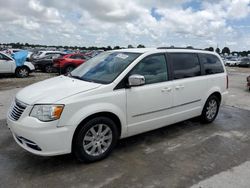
181 155
11 82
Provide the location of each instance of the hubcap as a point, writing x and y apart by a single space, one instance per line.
23 72
211 109
97 140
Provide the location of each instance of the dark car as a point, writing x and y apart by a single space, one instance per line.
45 64
69 62
245 62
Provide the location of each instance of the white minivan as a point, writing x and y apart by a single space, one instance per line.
115 95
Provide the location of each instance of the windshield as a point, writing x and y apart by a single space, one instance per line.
105 67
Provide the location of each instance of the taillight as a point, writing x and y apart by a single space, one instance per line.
227 82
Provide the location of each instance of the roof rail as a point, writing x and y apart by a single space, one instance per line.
181 48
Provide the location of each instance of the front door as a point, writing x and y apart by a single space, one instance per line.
149 105
5 64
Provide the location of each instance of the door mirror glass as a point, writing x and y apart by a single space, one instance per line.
136 80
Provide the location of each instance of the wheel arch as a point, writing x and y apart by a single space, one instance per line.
23 66
217 94
110 115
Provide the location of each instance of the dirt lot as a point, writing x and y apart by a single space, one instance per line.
11 82
187 154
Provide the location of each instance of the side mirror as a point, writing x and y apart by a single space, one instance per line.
136 80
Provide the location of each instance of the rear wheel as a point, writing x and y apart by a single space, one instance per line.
22 72
210 109
48 68
95 140
68 69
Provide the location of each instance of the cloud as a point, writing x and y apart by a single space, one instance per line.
119 22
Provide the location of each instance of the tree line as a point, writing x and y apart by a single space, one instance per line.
27 45
224 50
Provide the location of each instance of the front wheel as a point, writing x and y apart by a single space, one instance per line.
95 140
210 109
22 72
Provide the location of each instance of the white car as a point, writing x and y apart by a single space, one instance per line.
41 54
115 95
8 66
232 62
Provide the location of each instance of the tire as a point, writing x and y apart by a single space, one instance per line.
48 68
22 72
88 143
68 69
210 109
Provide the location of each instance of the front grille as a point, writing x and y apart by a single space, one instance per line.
16 110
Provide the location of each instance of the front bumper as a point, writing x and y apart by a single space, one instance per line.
41 138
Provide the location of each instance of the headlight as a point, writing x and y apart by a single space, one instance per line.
47 112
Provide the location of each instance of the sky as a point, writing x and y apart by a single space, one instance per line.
152 23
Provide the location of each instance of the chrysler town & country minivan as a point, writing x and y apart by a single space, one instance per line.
115 95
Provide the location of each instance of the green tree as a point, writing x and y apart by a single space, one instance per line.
108 48
226 50
140 46
117 47
217 50
130 46
210 49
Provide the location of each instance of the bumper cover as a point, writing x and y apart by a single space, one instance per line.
45 139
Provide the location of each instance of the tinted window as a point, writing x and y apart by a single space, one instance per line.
212 64
153 68
185 65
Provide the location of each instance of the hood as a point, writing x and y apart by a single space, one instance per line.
20 57
53 90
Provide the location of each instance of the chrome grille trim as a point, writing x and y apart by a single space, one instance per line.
16 110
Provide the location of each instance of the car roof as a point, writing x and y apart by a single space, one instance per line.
163 49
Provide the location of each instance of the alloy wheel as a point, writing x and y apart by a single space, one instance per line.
211 109
97 140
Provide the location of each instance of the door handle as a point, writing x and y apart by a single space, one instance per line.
179 87
167 89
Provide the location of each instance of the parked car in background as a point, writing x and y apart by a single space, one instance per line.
8 65
41 54
114 95
244 62
232 61
69 62
12 51
248 82
93 53
45 63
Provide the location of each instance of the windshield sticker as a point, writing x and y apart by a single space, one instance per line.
122 56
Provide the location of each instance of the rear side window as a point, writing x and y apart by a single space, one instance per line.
211 63
76 56
185 65
153 68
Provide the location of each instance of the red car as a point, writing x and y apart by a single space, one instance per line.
69 62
